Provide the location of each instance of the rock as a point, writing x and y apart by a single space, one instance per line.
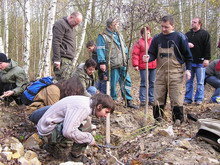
33 142
16 155
23 161
71 163
30 155
167 132
6 155
185 144
35 161
17 147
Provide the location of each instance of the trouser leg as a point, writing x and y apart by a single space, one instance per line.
178 113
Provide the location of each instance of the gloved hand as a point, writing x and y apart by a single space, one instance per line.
146 58
187 74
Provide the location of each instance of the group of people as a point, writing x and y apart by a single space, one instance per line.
62 110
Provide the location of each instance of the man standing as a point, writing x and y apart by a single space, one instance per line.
111 48
13 80
63 45
102 76
171 50
199 43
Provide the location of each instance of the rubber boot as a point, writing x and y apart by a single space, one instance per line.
158 112
177 113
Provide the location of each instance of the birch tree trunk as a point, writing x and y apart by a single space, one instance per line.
48 41
1 46
181 16
88 13
6 26
191 10
27 32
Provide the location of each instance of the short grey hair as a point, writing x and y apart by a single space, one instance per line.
110 20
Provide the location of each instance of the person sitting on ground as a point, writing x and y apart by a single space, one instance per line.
61 126
13 80
212 77
85 72
102 75
53 93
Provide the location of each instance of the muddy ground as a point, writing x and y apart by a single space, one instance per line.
136 136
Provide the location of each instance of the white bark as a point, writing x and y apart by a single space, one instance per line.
1 46
27 32
191 10
181 16
47 46
6 26
88 13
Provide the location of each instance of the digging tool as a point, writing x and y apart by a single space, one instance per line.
146 52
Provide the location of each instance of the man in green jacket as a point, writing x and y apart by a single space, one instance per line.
13 80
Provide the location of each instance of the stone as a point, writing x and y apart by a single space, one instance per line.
30 155
17 147
6 155
71 163
33 142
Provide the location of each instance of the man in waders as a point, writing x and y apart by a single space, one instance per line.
171 50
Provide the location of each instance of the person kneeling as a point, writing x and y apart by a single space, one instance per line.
61 127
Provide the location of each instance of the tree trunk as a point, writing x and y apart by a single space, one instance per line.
46 64
181 16
6 26
88 13
47 48
27 32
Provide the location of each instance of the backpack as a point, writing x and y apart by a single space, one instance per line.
34 87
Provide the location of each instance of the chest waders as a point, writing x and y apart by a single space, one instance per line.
169 80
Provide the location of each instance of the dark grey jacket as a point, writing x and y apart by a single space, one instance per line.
211 69
63 43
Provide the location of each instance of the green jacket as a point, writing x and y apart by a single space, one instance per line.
85 79
14 74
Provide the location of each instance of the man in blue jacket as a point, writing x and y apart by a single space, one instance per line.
111 48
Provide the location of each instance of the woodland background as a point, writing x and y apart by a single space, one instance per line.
26 25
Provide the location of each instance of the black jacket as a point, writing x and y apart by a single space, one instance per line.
202 45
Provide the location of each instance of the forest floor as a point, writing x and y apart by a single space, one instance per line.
137 139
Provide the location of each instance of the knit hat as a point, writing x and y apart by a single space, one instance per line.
3 57
217 67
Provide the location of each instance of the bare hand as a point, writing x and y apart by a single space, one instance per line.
57 65
191 45
146 58
8 93
187 75
136 68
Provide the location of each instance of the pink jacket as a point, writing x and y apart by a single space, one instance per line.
138 52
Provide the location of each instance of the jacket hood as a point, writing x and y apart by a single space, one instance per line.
11 65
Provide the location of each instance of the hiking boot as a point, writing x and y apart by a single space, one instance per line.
177 114
142 104
150 103
130 105
55 152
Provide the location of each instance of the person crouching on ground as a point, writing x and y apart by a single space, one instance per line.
61 125
13 80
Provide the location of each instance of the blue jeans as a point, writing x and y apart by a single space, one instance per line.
36 115
102 86
199 72
214 82
118 75
92 90
151 79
